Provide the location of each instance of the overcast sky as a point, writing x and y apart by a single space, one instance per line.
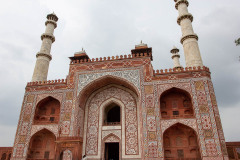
113 27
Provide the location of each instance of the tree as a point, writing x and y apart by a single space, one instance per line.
237 42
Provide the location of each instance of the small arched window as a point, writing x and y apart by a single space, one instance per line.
163 105
179 141
187 112
192 141
193 151
167 142
164 114
112 115
168 153
187 103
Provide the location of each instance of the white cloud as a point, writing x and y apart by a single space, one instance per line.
230 121
7 134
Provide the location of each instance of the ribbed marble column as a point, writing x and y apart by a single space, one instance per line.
189 38
43 56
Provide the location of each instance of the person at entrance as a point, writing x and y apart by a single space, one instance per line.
84 157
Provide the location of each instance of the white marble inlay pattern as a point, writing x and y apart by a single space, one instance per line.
188 122
132 76
114 132
53 128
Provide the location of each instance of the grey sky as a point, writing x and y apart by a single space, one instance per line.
113 27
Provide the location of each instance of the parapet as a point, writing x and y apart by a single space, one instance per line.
113 58
180 70
50 82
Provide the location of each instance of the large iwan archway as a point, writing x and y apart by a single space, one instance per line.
47 111
176 103
42 145
180 142
111 110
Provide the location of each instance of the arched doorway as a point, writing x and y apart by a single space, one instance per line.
180 142
42 145
47 111
111 148
103 82
112 115
61 156
176 103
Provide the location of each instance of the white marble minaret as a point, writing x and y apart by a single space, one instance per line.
175 57
189 38
44 57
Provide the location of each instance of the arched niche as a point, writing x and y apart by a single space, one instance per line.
103 82
4 156
176 103
47 111
42 145
180 142
112 114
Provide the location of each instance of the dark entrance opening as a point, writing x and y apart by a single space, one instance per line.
111 151
61 156
114 115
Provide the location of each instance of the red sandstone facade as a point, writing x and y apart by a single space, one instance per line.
120 107
5 153
163 114
233 149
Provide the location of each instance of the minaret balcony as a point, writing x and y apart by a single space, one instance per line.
185 16
51 22
180 2
49 36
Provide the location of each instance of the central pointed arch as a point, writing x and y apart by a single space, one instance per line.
102 82
94 128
